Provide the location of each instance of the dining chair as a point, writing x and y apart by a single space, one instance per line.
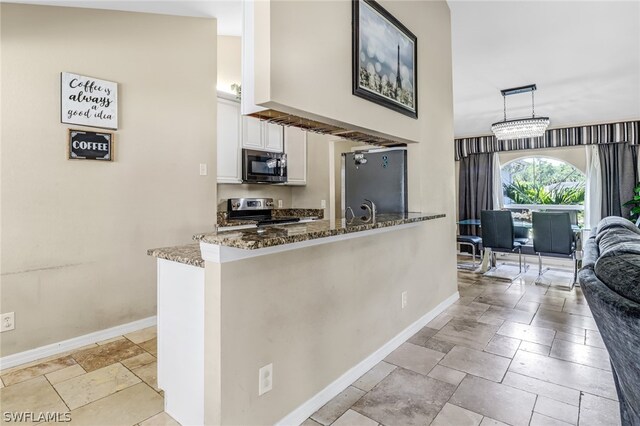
498 235
553 236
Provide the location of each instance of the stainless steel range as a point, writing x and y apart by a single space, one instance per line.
258 209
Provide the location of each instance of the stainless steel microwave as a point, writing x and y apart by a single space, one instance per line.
263 166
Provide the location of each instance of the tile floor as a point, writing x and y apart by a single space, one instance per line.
505 353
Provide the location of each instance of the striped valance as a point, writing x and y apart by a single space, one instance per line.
569 136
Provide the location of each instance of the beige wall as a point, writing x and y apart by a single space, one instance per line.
316 312
229 62
75 233
321 48
317 188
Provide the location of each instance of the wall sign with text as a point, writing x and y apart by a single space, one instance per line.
88 101
84 145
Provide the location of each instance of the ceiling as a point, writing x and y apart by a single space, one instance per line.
583 55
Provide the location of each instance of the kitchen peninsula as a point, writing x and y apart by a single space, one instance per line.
290 296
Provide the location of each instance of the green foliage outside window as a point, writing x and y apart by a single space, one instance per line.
634 203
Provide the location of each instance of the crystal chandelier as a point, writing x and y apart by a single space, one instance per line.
522 127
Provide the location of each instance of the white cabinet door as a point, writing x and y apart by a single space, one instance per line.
295 144
252 133
273 137
228 143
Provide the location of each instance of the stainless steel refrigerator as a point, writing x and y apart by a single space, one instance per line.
379 175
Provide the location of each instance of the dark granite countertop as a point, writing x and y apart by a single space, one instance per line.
223 219
275 235
188 254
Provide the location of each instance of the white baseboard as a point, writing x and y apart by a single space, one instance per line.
10 361
309 407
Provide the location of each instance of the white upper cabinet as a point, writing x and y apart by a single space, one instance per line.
261 135
251 133
273 137
295 146
229 168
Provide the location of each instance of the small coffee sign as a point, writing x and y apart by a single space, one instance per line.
85 145
88 101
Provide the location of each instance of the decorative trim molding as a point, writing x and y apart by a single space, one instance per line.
222 254
30 355
309 407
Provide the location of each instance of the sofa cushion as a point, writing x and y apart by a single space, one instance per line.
618 241
616 222
621 273
591 253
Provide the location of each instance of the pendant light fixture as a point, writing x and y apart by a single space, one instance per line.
523 127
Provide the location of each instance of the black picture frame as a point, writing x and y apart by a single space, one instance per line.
401 104
88 145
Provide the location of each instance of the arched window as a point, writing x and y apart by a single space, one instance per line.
542 182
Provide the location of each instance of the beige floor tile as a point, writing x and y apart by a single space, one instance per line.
575 338
536 348
405 398
446 374
596 411
439 321
1 384
40 369
148 374
467 333
421 337
150 346
372 377
89 387
488 421
142 335
579 321
65 374
138 360
107 354
45 359
594 339
529 333
310 422
438 345
539 387
481 364
353 418
582 354
472 311
506 314
35 396
557 410
127 407
160 419
503 346
414 358
458 416
113 339
540 420
500 402
564 373
333 409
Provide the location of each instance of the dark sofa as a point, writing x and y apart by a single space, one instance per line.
610 280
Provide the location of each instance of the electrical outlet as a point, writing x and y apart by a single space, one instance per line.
8 322
323 204
265 379
203 169
279 204
404 299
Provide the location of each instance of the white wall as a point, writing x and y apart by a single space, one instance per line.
75 233
229 62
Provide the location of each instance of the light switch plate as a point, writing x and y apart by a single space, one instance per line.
265 379
203 169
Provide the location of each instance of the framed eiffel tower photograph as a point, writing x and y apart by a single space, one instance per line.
384 59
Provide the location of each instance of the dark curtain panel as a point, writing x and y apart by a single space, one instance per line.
476 189
618 163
